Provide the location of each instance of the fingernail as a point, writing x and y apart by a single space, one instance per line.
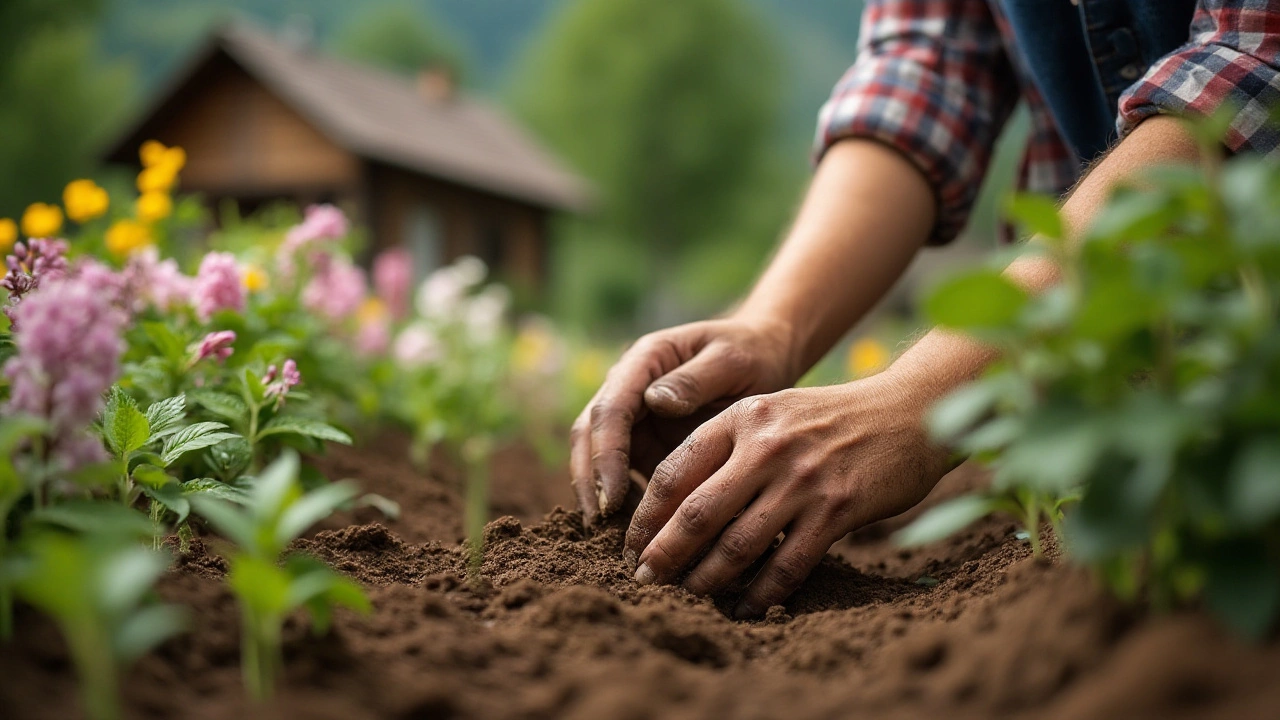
644 575
630 557
602 498
665 392
743 611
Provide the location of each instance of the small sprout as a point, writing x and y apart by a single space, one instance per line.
96 590
275 512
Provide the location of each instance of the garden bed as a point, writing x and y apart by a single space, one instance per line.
555 627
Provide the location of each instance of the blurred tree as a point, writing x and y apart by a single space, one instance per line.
59 98
398 36
671 109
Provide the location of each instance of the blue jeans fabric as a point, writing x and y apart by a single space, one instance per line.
1082 55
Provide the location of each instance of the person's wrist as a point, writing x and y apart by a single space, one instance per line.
780 335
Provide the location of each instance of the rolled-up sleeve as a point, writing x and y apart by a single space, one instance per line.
1232 61
933 81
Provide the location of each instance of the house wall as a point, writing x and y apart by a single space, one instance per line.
507 234
243 142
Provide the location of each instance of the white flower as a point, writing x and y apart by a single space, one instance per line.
470 271
485 312
440 295
417 346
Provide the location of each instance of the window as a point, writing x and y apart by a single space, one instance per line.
424 238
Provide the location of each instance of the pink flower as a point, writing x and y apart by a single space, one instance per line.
30 264
279 382
216 345
158 283
392 278
218 286
336 290
108 284
68 353
321 222
417 346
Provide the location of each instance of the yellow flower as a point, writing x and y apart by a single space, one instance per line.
153 153
125 236
153 206
589 369
371 310
41 220
157 179
255 278
866 357
532 346
8 234
85 200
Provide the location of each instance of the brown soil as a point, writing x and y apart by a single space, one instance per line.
555 628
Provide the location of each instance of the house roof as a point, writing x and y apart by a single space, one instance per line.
382 116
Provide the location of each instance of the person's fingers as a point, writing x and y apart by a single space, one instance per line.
741 544
697 521
580 470
695 460
718 371
797 556
611 416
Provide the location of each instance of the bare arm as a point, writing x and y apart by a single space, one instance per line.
816 463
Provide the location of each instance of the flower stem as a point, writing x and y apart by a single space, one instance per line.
1032 522
476 459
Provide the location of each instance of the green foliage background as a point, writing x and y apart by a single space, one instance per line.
694 119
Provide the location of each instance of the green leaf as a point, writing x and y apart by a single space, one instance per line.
273 487
1254 482
962 409
166 341
147 628
215 489
254 391
229 520
194 437
946 519
260 585
224 405
312 508
127 575
165 416
1243 589
1036 214
306 427
172 497
150 476
123 424
229 458
978 300
98 518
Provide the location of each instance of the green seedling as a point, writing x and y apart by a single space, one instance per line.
276 512
266 417
97 591
145 444
14 432
1145 385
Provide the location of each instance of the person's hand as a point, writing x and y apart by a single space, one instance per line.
812 463
662 388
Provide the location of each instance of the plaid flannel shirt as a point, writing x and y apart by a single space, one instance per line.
937 79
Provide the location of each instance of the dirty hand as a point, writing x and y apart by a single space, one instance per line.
812 463
662 388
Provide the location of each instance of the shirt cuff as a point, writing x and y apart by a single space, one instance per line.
1198 80
934 125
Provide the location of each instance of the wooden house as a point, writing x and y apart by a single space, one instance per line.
414 160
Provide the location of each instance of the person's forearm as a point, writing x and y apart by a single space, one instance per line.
864 217
942 360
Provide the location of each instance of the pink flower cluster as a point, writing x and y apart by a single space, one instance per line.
216 345
336 289
393 280
218 286
279 381
68 353
319 223
31 263
158 283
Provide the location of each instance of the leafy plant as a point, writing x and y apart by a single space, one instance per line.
1147 385
275 513
96 590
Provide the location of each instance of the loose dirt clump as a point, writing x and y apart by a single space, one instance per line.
554 627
